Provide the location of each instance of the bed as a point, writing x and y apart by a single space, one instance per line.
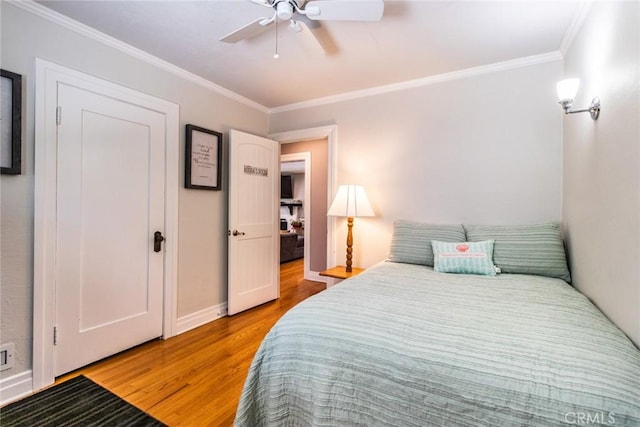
404 345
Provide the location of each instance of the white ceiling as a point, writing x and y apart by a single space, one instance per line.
414 39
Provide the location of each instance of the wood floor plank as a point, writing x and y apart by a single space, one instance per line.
195 379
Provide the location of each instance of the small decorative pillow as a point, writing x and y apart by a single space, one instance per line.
464 257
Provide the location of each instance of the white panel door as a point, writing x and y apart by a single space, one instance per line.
254 209
110 201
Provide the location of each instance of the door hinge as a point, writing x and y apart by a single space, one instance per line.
55 335
58 115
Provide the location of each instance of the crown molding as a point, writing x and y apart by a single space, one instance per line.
73 25
425 81
575 26
50 15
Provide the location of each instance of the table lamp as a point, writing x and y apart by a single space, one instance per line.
350 201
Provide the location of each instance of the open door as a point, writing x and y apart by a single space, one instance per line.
254 210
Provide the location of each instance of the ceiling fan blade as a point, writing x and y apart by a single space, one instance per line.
320 35
250 30
345 10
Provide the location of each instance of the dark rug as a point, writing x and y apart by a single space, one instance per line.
76 402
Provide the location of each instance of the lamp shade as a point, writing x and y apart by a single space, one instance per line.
351 201
567 89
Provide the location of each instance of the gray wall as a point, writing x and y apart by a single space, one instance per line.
202 214
483 149
602 163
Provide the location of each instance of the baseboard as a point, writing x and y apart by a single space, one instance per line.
332 282
316 277
15 387
199 318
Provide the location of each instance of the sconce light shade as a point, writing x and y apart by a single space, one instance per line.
567 89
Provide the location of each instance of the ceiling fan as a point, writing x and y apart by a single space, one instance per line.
308 13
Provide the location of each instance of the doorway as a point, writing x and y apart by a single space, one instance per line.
315 209
296 209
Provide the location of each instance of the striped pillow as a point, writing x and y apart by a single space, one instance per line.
411 241
464 257
525 249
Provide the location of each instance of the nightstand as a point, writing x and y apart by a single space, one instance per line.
340 273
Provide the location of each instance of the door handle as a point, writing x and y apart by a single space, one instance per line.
157 241
238 233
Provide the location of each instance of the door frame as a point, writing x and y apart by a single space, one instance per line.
331 134
48 76
308 216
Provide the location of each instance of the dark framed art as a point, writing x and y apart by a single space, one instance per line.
10 123
203 154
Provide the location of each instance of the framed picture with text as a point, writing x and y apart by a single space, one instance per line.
10 123
203 159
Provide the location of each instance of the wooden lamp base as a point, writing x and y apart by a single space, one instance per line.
349 268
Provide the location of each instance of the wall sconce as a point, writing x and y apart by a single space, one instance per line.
567 90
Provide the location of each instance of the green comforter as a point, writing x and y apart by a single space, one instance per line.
401 345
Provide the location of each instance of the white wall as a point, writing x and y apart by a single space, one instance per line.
484 149
602 163
202 214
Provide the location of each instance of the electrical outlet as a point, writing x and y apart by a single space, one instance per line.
6 356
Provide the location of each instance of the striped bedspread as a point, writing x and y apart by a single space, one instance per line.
401 345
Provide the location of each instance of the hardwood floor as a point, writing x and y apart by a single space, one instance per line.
195 379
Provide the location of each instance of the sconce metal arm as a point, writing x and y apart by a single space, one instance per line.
593 110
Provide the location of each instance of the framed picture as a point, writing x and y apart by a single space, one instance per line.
10 123
203 155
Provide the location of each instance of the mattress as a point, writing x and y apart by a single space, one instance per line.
402 345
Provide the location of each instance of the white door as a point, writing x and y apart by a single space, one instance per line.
110 202
254 210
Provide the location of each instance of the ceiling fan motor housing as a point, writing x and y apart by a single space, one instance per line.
285 9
